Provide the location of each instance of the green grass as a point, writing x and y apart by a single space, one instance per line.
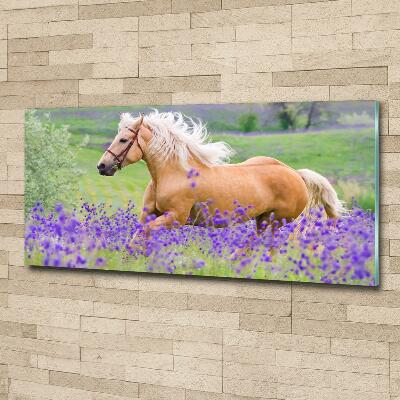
214 266
345 157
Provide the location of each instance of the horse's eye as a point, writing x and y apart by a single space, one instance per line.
123 140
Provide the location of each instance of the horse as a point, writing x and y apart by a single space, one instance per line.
173 146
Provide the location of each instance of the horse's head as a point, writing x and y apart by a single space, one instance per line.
125 149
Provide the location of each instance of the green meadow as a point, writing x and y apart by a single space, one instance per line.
343 156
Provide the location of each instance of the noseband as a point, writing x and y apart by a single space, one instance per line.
120 158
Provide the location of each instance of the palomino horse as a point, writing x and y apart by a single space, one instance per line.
172 145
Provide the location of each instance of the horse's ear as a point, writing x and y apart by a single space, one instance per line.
140 120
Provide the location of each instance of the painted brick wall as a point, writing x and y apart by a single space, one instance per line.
105 336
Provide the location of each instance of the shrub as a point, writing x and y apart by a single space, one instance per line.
51 170
248 122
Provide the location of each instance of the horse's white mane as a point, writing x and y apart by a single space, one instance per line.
180 137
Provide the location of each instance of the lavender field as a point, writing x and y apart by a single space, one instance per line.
309 249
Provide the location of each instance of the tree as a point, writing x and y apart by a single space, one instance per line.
248 122
301 115
51 171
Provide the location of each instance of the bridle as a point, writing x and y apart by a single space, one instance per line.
120 158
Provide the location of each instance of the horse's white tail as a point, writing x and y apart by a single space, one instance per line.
321 192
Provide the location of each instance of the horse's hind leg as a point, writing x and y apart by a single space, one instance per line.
263 221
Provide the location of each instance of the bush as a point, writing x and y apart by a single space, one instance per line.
51 171
248 122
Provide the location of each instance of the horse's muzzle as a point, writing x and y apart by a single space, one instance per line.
106 171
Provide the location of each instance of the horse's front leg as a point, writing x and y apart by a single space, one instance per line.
169 219
149 208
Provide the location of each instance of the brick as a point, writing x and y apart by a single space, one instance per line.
234 337
43 14
41 347
196 97
44 73
256 290
319 311
14 357
23 389
164 22
277 94
394 126
251 388
92 384
15 173
58 364
374 315
40 87
187 67
56 334
248 355
361 7
274 45
331 362
100 86
241 305
200 350
273 14
46 43
292 392
318 44
198 365
126 343
175 379
40 317
265 323
190 317
124 9
103 325
115 39
165 53
106 54
112 280
119 311
359 92
195 5
264 64
11 216
31 58
376 40
342 25
151 392
22 4
328 9
173 332
342 59
115 70
103 371
28 374
172 84
340 77
359 348
145 360
163 300
394 73
346 330
262 31
96 26
199 35
124 99
50 304
12 117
